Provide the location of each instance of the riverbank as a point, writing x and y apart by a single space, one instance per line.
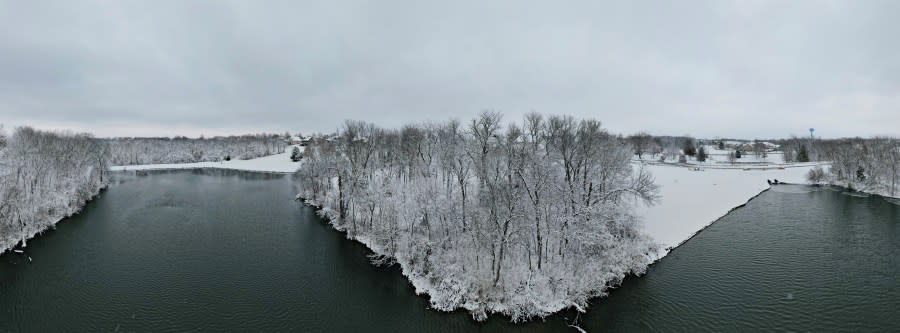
521 302
278 163
39 224
692 198
881 191
46 176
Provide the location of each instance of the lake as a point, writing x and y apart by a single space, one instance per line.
216 250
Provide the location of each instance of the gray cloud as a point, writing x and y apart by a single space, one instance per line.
744 69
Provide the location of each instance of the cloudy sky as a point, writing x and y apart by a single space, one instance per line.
751 69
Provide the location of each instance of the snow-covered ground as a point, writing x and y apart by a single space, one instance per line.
278 163
692 200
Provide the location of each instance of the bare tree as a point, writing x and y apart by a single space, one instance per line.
44 177
641 143
544 204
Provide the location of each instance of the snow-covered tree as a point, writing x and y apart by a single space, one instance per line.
296 154
131 151
815 175
44 177
640 142
491 217
871 165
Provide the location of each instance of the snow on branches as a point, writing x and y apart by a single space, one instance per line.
524 220
133 151
44 177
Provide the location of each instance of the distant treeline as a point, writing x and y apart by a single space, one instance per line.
131 151
871 164
44 177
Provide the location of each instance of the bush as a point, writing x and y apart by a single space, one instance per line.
816 175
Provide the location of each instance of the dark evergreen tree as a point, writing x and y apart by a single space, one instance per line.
737 153
689 148
701 154
721 145
802 156
296 155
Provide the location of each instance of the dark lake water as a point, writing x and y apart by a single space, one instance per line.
222 250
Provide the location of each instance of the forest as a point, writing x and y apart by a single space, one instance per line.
44 177
522 219
871 165
133 151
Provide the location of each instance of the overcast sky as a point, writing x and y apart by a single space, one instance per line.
751 69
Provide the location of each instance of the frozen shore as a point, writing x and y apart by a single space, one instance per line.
278 163
692 199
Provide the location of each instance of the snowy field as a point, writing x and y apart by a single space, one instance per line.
692 200
278 163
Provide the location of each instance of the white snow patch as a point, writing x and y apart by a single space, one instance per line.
692 200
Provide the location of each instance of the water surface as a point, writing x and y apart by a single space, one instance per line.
227 250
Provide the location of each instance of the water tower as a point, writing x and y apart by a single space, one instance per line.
812 152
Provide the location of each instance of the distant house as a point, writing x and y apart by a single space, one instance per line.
296 140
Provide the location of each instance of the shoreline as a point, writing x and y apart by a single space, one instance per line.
423 288
21 240
275 163
692 198
191 167
669 250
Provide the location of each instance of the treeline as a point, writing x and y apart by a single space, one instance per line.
663 147
131 151
44 177
521 219
871 165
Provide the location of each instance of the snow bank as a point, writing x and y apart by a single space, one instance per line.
278 163
692 200
882 190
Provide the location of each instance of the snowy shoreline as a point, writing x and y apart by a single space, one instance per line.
423 287
693 200
21 238
277 163
694 197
